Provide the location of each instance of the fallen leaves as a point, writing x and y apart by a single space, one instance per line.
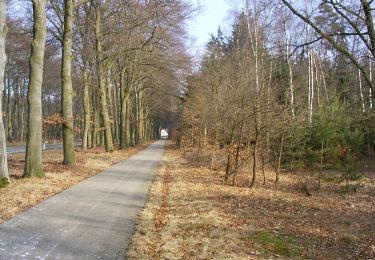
198 218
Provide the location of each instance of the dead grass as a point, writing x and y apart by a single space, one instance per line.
189 218
22 194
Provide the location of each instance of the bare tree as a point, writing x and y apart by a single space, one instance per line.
67 88
360 21
33 160
3 32
101 78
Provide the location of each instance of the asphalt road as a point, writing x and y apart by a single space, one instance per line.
22 148
92 220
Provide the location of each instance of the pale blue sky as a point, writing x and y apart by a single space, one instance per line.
212 14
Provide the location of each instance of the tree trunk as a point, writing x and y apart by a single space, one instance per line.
128 139
321 164
33 159
67 88
116 116
3 153
361 92
136 129
94 134
86 109
122 110
101 81
124 123
253 178
291 86
369 90
279 159
9 115
140 124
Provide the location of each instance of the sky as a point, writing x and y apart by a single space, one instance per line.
212 15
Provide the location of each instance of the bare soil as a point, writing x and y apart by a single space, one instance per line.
22 194
190 217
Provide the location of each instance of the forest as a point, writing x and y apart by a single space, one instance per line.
291 88
271 130
103 73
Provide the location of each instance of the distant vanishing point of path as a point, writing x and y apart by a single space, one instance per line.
92 220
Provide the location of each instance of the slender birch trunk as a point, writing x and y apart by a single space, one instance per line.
33 159
361 91
324 81
287 45
311 88
317 80
3 151
279 159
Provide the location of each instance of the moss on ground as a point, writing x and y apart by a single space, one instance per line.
3 182
270 243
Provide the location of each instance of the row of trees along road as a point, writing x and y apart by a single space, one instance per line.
291 87
106 71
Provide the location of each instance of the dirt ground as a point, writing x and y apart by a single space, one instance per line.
187 217
22 194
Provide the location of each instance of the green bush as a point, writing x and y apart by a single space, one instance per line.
342 138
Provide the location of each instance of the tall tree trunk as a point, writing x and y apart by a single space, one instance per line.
116 115
361 92
101 81
9 115
5 99
86 109
33 160
3 151
109 89
122 110
140 125
128 139
279 159
369 90
291 86
136 129
124 122
67 88
94 135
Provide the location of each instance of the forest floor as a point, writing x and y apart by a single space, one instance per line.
22 194
189 217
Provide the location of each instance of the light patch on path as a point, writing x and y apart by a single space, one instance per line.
92 220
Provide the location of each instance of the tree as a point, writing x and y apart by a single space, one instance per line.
67 88
33 159
101 78
359 21
3 32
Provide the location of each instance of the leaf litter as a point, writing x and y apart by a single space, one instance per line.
187 217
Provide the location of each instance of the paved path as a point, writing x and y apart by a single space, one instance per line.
92 220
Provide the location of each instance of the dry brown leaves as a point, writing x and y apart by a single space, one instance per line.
189 218
22 194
